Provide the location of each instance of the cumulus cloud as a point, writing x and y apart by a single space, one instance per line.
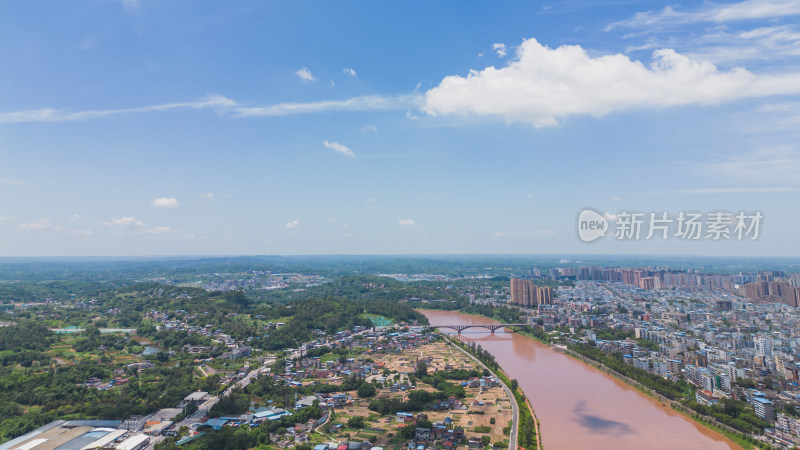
207 196
46 225
42 224
339 148
500 48
166 203
132 225
349 71
123 223
305 74
542 85
159 230
407 222
293 224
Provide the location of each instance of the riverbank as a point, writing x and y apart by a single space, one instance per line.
523 418
581 406
741 439
734 435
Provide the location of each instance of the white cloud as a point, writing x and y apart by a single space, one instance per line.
159 230
616 199
293 224
87 44
56 115
763 170
719 13
407 222
369 127
371 200
46 225
757 44
130 5
166 203
500 48
74 218
8 218
221 105
349 71
189 236
123 223
339 148
305 74
542 85
131 225
499 234
15 182
41 224
364 103
207 196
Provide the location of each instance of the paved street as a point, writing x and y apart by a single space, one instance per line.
203 409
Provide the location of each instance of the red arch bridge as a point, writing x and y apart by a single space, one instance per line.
489 326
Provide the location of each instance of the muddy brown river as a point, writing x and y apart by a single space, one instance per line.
578 406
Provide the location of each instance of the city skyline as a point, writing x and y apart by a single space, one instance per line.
183 128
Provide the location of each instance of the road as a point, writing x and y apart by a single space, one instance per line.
203 409
512 437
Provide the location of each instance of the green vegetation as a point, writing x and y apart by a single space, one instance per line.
733 413
526 434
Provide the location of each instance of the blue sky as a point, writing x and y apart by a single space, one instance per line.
185 127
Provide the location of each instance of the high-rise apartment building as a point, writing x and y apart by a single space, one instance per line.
525 294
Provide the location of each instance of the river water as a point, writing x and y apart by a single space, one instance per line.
578 406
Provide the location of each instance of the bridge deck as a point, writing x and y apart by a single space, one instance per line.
489 326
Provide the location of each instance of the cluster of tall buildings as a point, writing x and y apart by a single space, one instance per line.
524 293
781 291
764 287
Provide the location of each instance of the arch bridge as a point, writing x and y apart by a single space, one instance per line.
489 326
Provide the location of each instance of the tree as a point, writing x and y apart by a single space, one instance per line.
422 370
367 390
356 422
514 384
